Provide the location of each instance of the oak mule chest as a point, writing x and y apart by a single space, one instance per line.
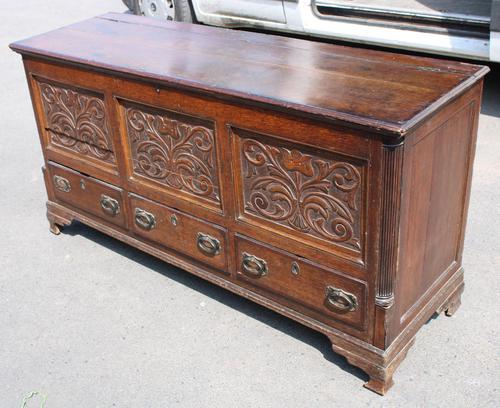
327 183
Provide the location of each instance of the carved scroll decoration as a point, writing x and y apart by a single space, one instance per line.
310 194
76 120
173 152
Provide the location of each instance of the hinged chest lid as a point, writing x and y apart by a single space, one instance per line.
385 92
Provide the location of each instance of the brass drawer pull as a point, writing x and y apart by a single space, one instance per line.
253 266
62 184
208 244
144 220
109 205
339 301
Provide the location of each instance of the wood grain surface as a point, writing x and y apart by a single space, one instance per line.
387 91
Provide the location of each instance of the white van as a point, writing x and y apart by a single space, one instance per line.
467 29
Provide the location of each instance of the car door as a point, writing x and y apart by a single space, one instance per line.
240 10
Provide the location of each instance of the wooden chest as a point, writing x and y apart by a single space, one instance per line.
328 183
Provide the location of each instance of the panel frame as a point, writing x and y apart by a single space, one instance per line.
139 181
242 215
86 81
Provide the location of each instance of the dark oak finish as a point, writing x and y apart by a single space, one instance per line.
323 293
328 183
88 194
181 232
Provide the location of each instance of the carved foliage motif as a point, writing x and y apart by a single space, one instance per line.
77 121
179 153
314 195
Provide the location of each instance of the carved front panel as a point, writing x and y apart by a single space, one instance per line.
174 150
77 120
310 192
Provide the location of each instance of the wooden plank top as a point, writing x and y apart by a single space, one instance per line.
387 92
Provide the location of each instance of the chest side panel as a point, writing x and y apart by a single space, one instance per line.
436 183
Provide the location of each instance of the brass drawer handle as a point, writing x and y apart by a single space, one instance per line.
109 205
339 301
253 266
144 219
62 184
208 244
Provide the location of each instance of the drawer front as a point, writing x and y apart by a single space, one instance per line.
330 295
88 194
173 153
314 196
198 239
76 124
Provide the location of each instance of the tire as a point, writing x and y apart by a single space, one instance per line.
178 10
129 4
184 11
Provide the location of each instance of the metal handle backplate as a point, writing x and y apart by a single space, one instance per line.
253 266
340 301
144 219
208 244
62 184
109 205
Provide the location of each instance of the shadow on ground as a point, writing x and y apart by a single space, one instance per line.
260 313
491 93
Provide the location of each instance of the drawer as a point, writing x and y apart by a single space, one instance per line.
88 194
186 234
311 286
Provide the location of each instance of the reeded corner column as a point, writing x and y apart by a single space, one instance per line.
392 166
